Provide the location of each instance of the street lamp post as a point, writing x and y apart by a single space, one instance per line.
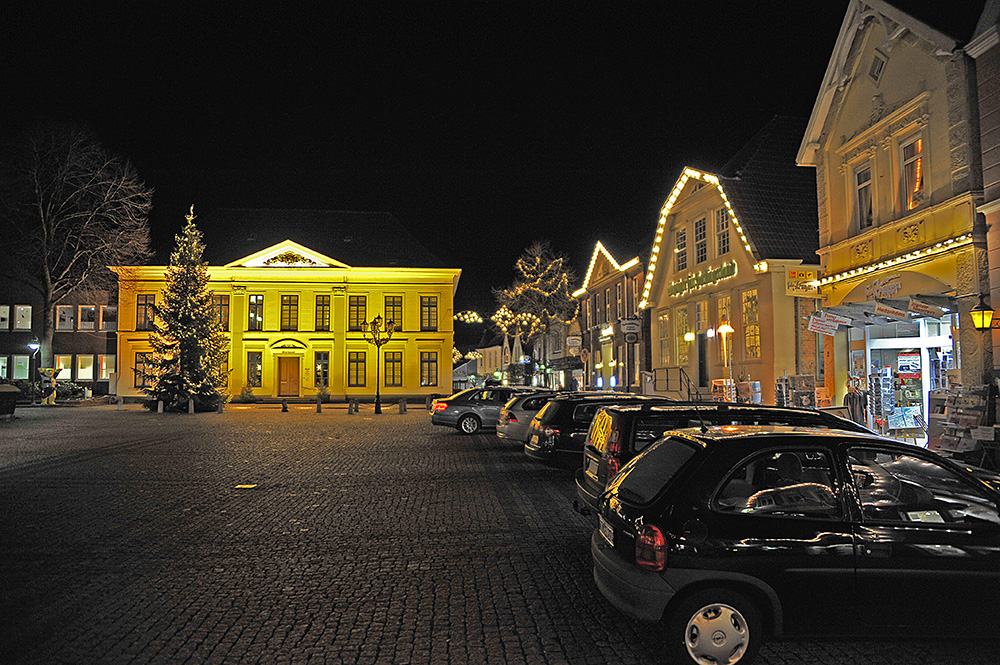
378 334
34 346
725 330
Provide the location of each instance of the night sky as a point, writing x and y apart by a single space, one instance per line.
481 125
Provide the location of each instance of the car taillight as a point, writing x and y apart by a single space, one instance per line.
651 549
613 450
440 406
511 418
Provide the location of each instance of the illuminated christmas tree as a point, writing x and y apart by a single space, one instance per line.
539 296
189 347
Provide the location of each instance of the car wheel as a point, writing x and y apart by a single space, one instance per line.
468 425
715 626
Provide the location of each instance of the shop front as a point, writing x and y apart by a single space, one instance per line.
901 340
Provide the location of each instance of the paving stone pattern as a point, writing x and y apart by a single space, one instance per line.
124 538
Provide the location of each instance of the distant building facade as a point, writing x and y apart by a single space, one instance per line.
295 316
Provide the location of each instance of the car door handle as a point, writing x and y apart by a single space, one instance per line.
878 550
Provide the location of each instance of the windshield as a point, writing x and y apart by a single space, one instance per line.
648 474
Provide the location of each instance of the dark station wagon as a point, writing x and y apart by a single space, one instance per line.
557 432
730 534
619 433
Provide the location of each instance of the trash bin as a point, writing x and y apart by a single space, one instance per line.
8 399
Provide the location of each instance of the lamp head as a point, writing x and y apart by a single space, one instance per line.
982 315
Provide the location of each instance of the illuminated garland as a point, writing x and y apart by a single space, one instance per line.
468 316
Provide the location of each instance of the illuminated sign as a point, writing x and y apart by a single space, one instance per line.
703 279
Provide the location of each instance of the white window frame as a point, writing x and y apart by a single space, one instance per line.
84 325
680 250
22 317
700 240
857 187
3 367
103 321
106 365
722 239
905 186
4 319
65 317
82 371
21 369
63 363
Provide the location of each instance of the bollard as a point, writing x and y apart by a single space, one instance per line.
222 405
284 406
159 406
319 404
120 402
428 403
190 406
402 406
355 406
350 408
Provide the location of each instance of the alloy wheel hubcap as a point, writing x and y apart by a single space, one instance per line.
716 634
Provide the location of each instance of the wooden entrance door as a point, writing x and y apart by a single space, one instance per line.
288 376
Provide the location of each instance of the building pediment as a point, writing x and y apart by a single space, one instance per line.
287 254
288 343
602 263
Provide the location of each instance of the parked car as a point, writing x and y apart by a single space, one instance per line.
473 409
516 414
557 432
621 432
727 535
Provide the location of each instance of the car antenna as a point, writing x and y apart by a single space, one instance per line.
701 418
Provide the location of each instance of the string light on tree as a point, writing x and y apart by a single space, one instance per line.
468 316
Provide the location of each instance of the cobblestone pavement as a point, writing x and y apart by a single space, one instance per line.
126 537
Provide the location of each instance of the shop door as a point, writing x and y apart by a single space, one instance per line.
288 376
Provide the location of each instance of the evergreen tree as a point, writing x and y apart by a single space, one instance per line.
189 348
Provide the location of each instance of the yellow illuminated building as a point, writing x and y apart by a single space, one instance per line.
294 316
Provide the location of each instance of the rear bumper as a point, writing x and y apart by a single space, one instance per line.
555 457
585 490
632 590
444 418
513 432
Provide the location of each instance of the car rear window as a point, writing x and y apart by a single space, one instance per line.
535 403
584 413
650 473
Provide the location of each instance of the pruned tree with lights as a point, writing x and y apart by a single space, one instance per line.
539 297
68 210
189 347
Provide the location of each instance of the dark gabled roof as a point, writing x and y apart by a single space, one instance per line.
359 239
774 200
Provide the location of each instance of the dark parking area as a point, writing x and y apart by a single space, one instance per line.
302 537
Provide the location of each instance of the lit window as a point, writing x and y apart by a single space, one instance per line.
356 312
663 330
107 365
64 317
680 249
255 317
721 232
4 320
393 368
3 367
863 196
289 312
64 368
682 328
619 311
322 363
878 64
428 368
85 368
221 303
607 305
21 367
751 324
913 173
255 368
144 311
322 313
700 241
356 369
394 311
428 313
88 317
142 359
701 316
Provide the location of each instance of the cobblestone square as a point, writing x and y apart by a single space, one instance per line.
256 536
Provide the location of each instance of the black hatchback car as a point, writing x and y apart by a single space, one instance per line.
732 534
557 432
619 433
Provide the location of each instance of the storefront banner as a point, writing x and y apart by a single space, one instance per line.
802 284
836 318
908 365
918 307
822 325
881 309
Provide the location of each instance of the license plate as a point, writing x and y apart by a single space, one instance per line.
534 440
592 465
607 531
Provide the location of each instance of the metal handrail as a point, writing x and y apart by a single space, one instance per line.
676 380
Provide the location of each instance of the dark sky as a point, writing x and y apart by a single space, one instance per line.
481 125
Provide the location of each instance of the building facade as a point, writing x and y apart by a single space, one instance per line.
295 317
610 323
734 252
894 139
